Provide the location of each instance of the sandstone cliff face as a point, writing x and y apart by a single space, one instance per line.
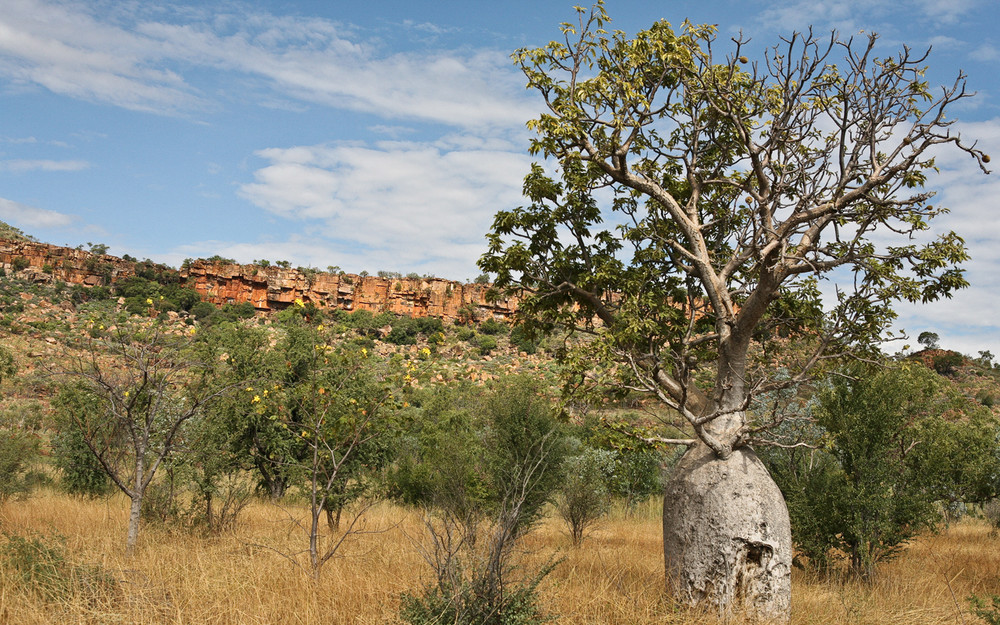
274 288
267 288
42 262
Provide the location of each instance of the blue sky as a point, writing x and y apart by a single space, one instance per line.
377 135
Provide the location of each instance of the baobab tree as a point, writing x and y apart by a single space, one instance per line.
689 204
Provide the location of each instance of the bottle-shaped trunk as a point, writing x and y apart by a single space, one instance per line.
727 537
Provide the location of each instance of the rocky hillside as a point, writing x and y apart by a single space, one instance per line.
266 288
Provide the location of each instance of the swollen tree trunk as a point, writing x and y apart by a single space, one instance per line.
726 535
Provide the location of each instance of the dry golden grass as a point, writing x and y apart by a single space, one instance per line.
179 578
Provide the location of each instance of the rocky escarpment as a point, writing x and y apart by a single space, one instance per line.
41 262
267 288
274 288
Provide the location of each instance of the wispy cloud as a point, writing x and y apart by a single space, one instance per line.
20 165
26 217
848 16
986 52
63 48
407 203
143 62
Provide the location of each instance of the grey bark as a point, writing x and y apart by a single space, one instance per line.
134 517
727 536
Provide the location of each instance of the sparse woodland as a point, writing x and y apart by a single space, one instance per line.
678 427
280 501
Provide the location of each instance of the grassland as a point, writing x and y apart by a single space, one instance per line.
178 577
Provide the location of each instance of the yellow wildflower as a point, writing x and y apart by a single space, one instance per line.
149 301
256 399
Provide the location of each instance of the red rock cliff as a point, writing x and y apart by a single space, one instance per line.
274 288
267 288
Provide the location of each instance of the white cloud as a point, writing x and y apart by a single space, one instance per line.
406 204
849 16
66 50
26 217
143 66
986 52
19 166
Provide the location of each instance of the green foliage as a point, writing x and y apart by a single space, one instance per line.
947 362
523 340
442 459
404 331
43 566
892 443
465 450
82 474
477 603
98 249
155 288
483 467
18 450
19 442
493 327
989 613
929 340
465 333
585 497
668 237
635 473
486 344
19 264
9 232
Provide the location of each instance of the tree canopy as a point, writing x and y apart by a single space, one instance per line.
690 201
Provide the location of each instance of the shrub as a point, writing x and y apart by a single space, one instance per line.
404 331
17 451
465 334
429 325
42 566
482 500
584 495
486 344
492 327
946 363
523 340
20 263
989 613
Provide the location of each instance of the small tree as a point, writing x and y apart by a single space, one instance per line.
584 496
929 340
892 443
690 201
145 386
332 416
478 579
17 446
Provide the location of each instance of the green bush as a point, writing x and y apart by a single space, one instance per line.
493 327
404 331
522 339
946 363
486 344
989 613
43 567
18 449
873 484
584 494
465 334
483 467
